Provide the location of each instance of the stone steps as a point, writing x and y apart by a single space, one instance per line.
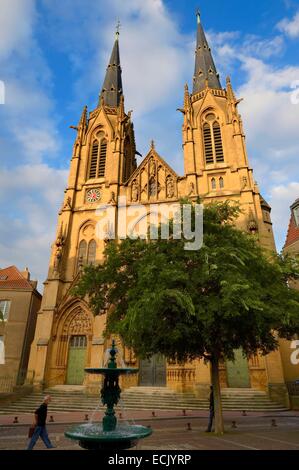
141 398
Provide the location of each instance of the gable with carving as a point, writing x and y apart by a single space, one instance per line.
153 181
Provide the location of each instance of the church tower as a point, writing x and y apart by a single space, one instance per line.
67 336
215 156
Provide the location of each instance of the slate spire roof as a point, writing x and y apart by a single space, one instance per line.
112 88
205 71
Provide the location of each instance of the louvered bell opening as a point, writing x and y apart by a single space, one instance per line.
218 143
102 163
208 144
94 160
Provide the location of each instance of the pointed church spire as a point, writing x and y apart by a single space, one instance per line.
205 74
112 89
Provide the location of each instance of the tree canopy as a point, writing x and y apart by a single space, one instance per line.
231 294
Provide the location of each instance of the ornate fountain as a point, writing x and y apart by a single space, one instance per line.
109 435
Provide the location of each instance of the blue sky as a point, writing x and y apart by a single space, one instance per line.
53 56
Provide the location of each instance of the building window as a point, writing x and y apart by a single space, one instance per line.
4 308
213 183
82 251
2 351
221 182
213 147
98 159
296 215
91 254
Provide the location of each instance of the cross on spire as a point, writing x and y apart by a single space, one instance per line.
118 26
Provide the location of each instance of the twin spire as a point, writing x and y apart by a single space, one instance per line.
205 74
113 89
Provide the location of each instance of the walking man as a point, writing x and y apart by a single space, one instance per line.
211 417
40 425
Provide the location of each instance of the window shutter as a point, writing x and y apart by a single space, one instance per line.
208 144
102 162
218 143
94 159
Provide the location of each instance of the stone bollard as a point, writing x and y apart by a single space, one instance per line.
120 416
244 413
153 414
86 418
273 423
51 420
184 413
189 427
234 424
16 420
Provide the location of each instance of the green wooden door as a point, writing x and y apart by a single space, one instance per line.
237 372
152 372
76 360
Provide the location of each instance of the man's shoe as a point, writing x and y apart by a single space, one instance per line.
208 430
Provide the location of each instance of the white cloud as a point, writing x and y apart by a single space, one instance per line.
16 22
29 188
290 27
30 199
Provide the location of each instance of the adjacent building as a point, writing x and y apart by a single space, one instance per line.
19 303
290 350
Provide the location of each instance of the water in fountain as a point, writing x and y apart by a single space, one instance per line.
109 434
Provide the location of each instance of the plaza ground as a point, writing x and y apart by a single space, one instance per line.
171 430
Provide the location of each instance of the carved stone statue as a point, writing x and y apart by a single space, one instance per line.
135 191
68 204
191 189
244 182
169 187
152 167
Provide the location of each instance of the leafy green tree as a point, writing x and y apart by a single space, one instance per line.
202 304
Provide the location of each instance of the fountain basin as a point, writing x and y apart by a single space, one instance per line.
92 436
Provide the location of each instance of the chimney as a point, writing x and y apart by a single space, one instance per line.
26 274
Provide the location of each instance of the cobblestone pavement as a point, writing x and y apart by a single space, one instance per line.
251 433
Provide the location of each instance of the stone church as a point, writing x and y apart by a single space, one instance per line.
102 169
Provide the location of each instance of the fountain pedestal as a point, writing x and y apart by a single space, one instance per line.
109 435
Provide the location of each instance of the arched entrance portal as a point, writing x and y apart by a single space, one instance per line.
73 345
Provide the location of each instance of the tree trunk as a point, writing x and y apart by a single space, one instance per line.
219 427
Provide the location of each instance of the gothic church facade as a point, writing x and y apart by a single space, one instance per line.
102 169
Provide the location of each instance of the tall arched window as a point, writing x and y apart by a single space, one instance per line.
91 254
94 159
212 138
82 251
98 159
102 159
213 183
221 182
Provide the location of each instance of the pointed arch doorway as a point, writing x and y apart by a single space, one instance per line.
73 344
